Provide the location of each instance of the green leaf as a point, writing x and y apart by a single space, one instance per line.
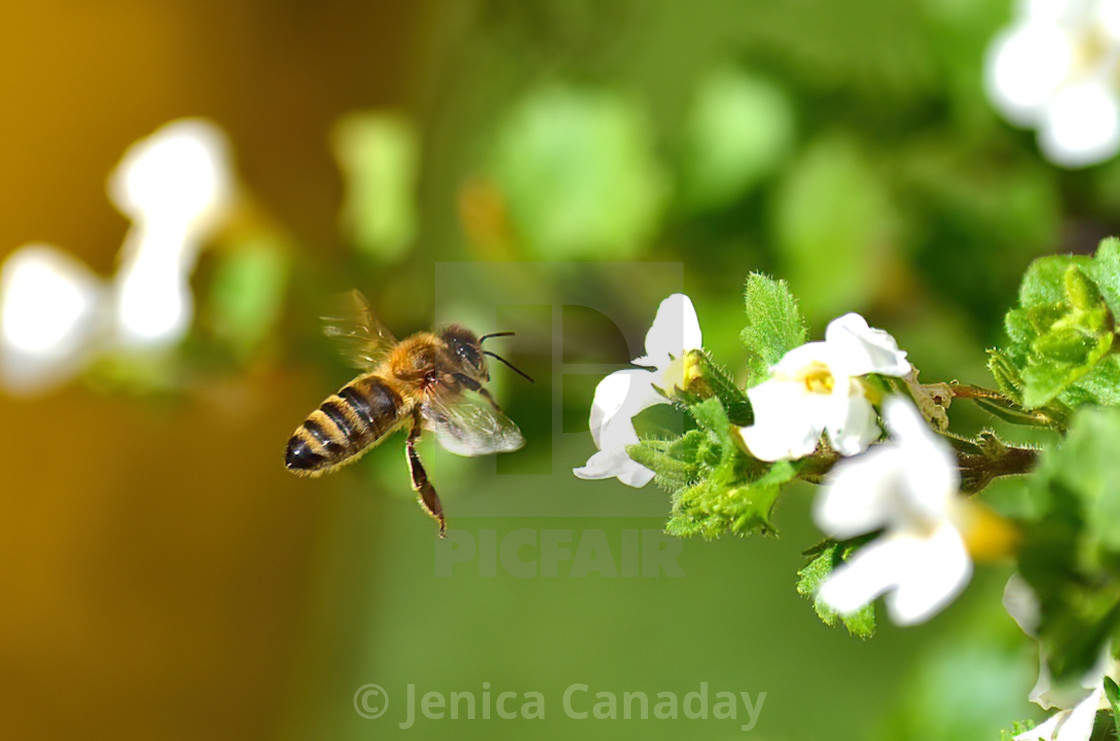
739 130
719 383
579 175
675 463
722 504
247 294
1112 692
834 220
379 154
828 556
1105 271
1061 334
774 325
1071 547
1044 281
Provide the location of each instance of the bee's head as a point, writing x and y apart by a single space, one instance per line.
467 349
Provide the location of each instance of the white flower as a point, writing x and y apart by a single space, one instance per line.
815 389
49 313
1077 705
175 185
1054 69
1075 724
623 394
908 488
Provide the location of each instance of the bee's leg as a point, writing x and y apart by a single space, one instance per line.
428 497
477 387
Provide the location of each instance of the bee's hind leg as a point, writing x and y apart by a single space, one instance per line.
427 493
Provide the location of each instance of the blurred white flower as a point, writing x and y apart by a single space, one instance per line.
816 389
1055 69
175 185
1077 706
907 487
49 312
623 394
1075 724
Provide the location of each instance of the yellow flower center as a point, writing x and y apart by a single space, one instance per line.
681 373
817 378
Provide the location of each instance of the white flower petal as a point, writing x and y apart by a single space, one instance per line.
619 397
1051 11
924 574
1024 68
932 477
937 567
1047 731
851 421
1044 694
1021 604
675 331
798 359
787 423
1081 125
873 569
1066 725
856 499
614 463
50 306
1107 14
862 349
154 304
178 177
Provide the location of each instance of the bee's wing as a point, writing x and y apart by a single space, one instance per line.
364 340
470 426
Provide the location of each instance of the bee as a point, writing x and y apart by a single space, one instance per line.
429 381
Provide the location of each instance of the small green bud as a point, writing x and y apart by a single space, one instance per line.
1006 374
1063 345
1082 291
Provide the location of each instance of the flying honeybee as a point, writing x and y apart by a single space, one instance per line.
428 381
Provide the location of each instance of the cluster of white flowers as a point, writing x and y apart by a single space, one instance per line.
1055 69
906 487
175 186
1076 706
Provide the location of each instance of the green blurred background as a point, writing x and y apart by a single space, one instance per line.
555 167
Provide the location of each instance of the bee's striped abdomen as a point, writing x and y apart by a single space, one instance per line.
345 425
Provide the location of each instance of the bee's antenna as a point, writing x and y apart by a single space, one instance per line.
506 362
494 334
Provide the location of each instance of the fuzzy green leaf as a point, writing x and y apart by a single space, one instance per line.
1112 692
715 381
1017 728
675 463
720 504
1061 334
828 556
1071 552
774 325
